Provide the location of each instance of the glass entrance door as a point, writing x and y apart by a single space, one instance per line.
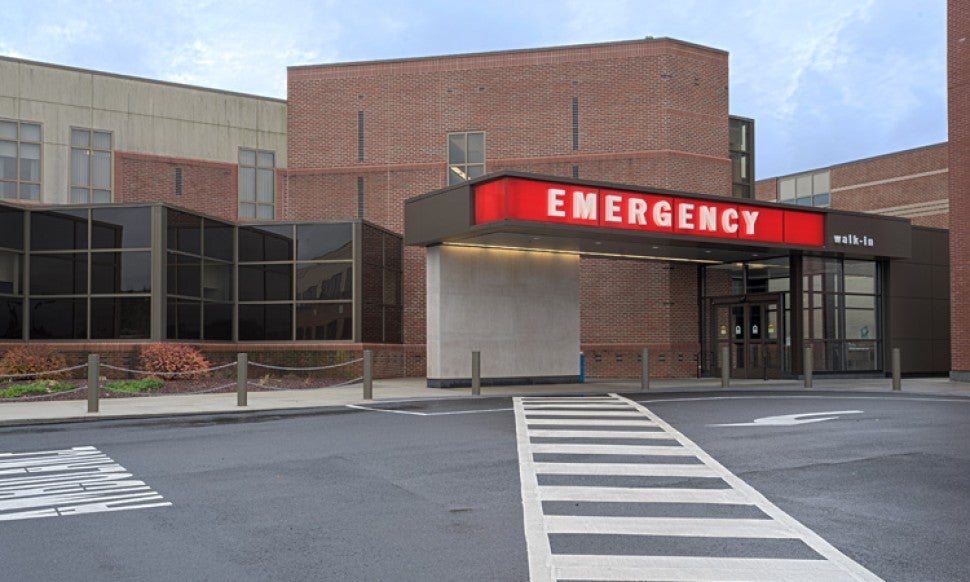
751 332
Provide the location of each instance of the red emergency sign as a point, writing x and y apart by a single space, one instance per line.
512 198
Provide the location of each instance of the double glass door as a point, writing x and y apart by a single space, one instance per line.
750 330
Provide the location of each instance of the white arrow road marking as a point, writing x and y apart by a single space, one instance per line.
793 419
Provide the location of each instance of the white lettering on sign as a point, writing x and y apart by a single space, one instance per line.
685 216
707 218
749 217
612 210
584 205
556 203
729 220
662 214
637 211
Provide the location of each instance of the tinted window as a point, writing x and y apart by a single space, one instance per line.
218 321
324 241
265 282
11 228
183 319
184 275
184 232
265 322
116 228
324 281
11 318
65 230
218 240
121 272
121 318
265 243
324 321
58 318
60 274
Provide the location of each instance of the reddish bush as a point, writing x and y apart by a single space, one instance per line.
169 361
31 361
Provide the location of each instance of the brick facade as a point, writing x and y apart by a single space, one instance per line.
650 112
958 105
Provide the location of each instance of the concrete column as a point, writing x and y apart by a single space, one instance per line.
725 367
94 375
242 379
808 361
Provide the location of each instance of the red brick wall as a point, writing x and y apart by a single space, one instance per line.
896 179
207 187
958 105
651 113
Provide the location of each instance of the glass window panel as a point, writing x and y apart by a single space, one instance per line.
217 282
324 321
80 175
862 356
804 201
63 230
786 189
803 186
456 148
80 138
324 281
101 140
30 162
324 241
113 273
30 191
265 322
264 212
116 228
11 318
265 243
184 232
79 195
8 129
265 282
8 189
860 301
820 200
30 132
218 240
121 318
264 186
247 184
392 287
861 324
188 275
820 183
101 196
11 274
101 169
184 319
265 160
59 274
217 321
8 160
247 210
475 171
11 228
247 158
476 148
58 319
456 175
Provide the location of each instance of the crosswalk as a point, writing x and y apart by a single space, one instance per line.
65 482
612 492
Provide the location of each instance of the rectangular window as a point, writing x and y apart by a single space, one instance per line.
20 160
360 136
806 189
466 156
90 166
575 123
257 184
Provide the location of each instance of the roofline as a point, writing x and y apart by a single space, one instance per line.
858 161
647 39
141 79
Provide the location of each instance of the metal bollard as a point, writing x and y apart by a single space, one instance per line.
94 373
897 370
725 367
476 373
368 375
242 378
645 369
808 361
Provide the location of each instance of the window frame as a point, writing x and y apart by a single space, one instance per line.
19 181
458 172
89 189
255 204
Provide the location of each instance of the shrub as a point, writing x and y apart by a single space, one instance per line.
31 361
166 360
134 386
39 387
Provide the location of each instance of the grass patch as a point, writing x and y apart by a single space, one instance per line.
134 386
35 388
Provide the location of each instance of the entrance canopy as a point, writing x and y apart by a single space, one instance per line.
532 212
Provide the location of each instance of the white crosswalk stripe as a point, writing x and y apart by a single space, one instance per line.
68 482
576 517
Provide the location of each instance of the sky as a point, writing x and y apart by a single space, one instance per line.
827 81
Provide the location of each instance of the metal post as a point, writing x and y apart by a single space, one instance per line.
897 370
808 361
368 375
725 366
242 378
476 373
645 369
94 373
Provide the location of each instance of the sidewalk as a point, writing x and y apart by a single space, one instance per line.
385 391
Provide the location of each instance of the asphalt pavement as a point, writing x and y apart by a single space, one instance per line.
392 390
